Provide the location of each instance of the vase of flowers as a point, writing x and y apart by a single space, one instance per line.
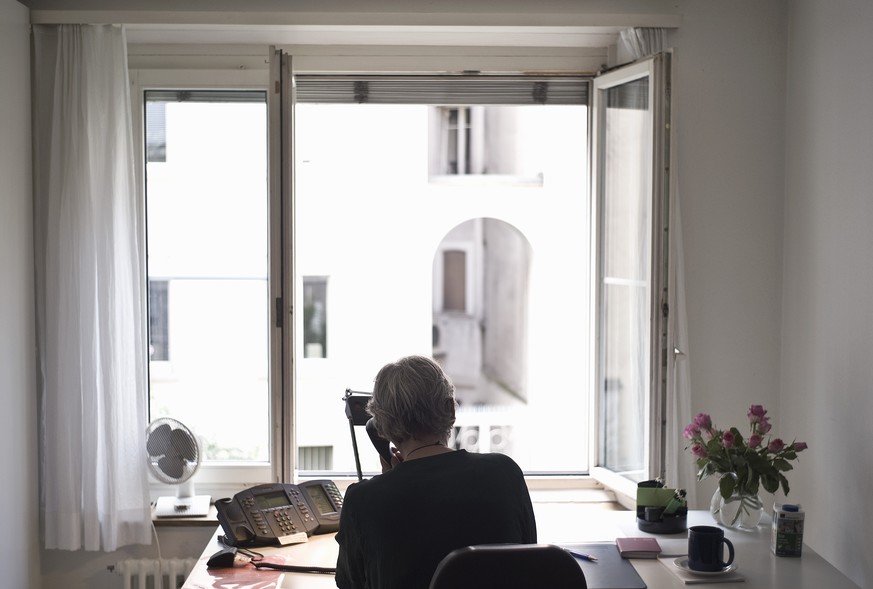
743 465
743 510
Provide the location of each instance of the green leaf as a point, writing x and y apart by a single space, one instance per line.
754 481
738 437
784 482
757 461
782 465
726 485
771 483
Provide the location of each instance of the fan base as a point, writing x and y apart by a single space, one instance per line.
194 506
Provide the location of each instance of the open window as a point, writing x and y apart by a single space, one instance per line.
630 197
341 276
448 214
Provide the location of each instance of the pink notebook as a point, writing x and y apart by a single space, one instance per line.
638 547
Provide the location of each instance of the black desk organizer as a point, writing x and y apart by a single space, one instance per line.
667 523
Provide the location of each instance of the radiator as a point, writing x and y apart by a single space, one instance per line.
151 573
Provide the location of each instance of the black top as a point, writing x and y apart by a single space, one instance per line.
396 527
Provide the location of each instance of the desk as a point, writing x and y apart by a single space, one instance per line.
318 551
761 569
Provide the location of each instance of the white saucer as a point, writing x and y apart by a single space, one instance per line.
682 563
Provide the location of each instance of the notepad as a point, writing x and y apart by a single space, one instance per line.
638 547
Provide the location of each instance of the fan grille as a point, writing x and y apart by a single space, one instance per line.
173 451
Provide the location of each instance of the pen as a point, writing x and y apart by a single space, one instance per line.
582 555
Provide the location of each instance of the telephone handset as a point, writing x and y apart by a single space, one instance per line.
382 445
272 513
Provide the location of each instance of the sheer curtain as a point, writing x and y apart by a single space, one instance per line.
639 42
90 300
680 467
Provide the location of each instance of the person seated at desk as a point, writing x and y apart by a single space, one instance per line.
396 527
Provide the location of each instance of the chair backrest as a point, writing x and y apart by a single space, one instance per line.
509 566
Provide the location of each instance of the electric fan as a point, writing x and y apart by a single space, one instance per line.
173 458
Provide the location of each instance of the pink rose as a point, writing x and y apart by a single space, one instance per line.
755 440
727 439
756 413
763 426
703 421
698 450
691 431
776 445
799 446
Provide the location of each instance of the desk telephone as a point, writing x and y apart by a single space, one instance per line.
271 513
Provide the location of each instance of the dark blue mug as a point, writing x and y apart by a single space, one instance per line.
705 552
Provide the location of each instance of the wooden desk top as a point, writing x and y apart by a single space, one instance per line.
756 563
318 551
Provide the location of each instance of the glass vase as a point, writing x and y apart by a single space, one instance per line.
740 511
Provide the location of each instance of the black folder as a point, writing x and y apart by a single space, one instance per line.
611 571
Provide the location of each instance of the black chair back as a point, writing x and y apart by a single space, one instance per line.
509 566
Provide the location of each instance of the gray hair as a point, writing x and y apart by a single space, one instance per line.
412 397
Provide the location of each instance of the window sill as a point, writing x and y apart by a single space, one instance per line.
543 488
208 520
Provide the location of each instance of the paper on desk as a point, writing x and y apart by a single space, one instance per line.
320 551
297 538
673 546
692 579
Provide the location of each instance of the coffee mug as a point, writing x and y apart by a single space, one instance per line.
705 549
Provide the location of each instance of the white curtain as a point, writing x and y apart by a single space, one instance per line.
639 42
680 468
90 300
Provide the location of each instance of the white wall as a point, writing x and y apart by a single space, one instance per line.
827 342
729 95
19 543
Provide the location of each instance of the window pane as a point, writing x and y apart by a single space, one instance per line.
454 281
516 344
206 199
623 409
314 317
626 285
159 348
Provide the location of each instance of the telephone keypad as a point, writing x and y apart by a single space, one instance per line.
335 496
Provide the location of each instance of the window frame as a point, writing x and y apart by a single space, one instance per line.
657 69
220 479
216 478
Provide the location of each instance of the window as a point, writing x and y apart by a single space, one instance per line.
482 140
630 227
207 246
455 140
159 319
156 132
314 317
491 271
454 280
486 272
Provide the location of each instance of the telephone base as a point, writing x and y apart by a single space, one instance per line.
194 506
